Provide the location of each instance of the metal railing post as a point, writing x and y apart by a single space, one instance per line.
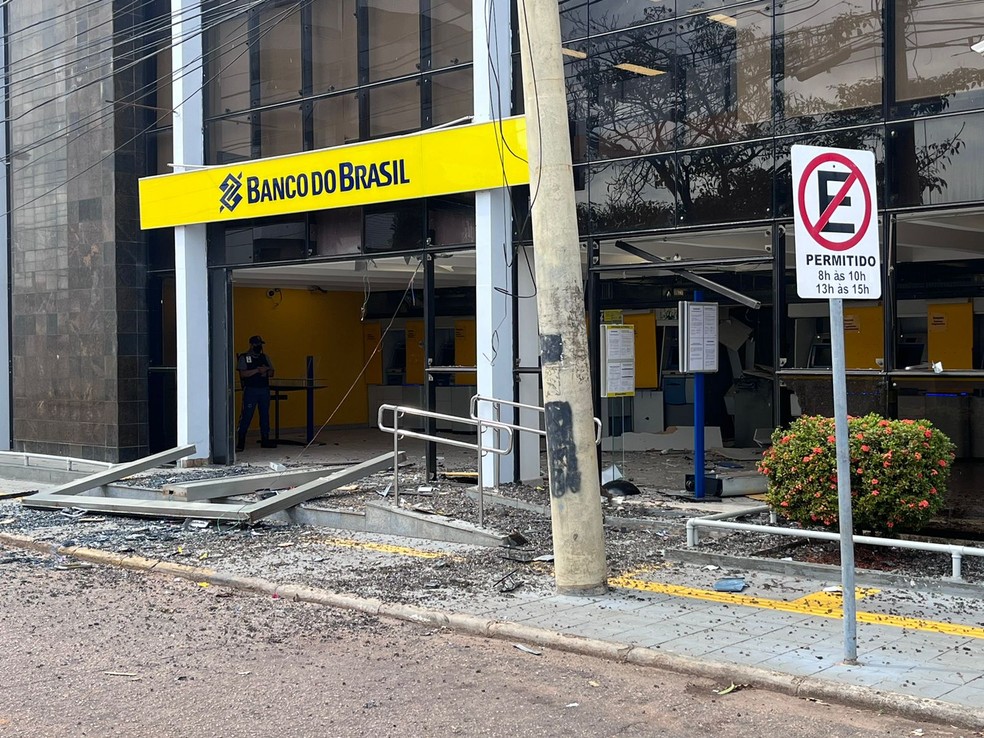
396 456
481 483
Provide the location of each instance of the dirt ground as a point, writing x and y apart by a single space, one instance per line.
103 652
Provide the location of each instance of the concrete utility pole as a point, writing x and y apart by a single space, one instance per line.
575 494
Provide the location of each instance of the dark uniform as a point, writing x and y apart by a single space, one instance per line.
255 370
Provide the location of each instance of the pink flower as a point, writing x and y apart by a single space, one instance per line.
928 433
784 503
942 462
816 494
874 481
866 448
924 503
932 490
874 493
909 421
831 439
890 524
859 436
883 423
918 456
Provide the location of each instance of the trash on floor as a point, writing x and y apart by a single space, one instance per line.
730 584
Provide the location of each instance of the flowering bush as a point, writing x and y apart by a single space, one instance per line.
899 470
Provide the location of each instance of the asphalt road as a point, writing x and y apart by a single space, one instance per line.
103 652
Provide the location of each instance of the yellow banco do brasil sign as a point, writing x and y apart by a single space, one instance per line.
426 164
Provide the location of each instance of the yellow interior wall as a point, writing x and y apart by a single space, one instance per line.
416 354
372 352
300 323
864 336
950 334
646 361
465 350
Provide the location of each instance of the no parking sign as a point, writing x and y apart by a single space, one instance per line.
835 219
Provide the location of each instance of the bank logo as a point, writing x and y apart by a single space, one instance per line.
230 192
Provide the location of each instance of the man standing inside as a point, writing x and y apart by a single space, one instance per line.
255 371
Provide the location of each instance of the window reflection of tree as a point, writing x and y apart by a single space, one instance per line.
712 81
660 87
933 58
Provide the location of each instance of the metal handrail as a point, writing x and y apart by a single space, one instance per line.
398 433
496 406
956 552
496 402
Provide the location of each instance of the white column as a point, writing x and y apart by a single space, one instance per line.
190 272
493 227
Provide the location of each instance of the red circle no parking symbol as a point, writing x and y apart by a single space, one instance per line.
822 223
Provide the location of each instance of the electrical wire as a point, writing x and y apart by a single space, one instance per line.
368 361
100 115
112 153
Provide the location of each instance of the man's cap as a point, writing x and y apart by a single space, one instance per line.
256 341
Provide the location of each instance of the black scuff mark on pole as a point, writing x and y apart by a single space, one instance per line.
561 452
551 349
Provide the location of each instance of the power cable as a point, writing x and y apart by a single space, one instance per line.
104 158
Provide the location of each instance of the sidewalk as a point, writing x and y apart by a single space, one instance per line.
920 652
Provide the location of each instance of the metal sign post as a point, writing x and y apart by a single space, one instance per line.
838 256
698 326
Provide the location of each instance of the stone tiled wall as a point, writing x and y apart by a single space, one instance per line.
78 264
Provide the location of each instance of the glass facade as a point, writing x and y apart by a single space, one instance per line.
682 114
699 101
287 76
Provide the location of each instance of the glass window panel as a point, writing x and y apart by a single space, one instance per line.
227 65
726 183
631 196
614 15
518 104
394 38
279 239
280 131
939 270
451 96
451 220
394 109
338 231
163 94
334 41
229 140
395 227
579 86
726 75
689 7
451 32
164 142
934 60
832 57
634 105
280 53
573 20
928 162
865 139
336 120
